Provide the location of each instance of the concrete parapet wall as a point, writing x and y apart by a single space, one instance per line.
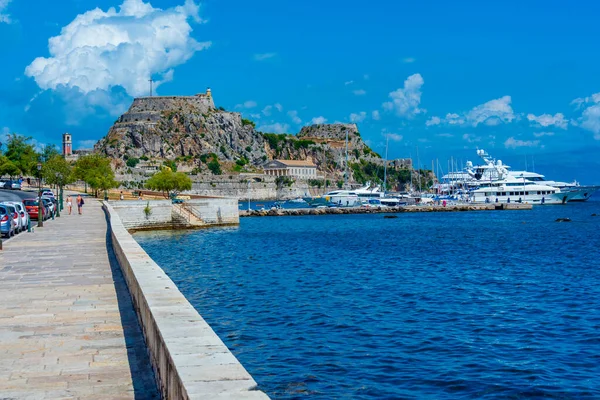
190 360
133 216
217 210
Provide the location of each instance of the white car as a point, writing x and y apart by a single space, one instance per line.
51 204
23 215
48 193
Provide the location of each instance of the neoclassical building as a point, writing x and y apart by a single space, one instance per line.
296 168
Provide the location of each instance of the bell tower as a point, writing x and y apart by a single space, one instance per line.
67 144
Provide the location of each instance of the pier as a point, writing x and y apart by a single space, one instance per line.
383 210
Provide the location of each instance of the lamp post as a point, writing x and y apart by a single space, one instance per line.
40 202
59 200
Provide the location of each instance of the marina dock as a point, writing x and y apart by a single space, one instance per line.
387 210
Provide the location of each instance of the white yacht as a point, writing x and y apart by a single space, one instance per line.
340 198
581 193
476 176
508 188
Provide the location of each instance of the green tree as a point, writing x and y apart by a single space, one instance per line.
49 151
57 171
169 182
7 167
96 171
21 153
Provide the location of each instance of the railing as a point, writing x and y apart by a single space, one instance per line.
192 211
183 212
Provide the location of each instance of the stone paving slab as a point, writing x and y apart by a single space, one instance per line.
67 325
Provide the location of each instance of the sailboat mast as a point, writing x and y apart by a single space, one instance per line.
418 165
387 141
346 171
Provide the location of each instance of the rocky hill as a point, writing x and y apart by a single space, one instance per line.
189 130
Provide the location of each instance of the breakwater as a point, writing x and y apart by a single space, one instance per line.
382 210
189 359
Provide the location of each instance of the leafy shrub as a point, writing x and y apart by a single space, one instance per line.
215 167
248 122
132 162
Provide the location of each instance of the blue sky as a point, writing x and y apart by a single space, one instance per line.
440 78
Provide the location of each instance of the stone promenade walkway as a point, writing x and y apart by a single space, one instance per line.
67 326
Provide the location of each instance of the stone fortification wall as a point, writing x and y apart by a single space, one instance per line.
256 190
170 103
190 360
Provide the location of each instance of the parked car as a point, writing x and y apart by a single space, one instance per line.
12 212
50 207
12 185
48 193
7 223
22 213
32 207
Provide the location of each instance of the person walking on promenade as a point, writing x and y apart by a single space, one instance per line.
80 203
69 204
122 197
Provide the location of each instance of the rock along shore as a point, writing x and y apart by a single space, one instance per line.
382 210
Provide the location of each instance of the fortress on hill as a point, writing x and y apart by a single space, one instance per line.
149 109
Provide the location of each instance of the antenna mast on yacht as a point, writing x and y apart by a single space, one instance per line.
387 141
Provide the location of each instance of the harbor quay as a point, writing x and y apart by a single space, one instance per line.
275 212
86 313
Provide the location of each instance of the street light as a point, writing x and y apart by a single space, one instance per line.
59 204
40 202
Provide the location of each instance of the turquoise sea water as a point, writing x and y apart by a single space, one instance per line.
432 305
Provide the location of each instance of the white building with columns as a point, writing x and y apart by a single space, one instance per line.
297 168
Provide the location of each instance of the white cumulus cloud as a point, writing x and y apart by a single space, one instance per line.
394 137
545 120
274 128
512 143
4 17
590 117
375 115
433 121
318 120
100 49
264 56
360 117
247 104
293 114
492 113
590 120
406 100
542 134
359 92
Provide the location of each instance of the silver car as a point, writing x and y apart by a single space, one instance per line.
24 220
7 223
12 185
12 212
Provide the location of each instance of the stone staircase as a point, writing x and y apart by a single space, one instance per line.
184 215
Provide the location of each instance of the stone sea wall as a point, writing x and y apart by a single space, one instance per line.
162 214
190 360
